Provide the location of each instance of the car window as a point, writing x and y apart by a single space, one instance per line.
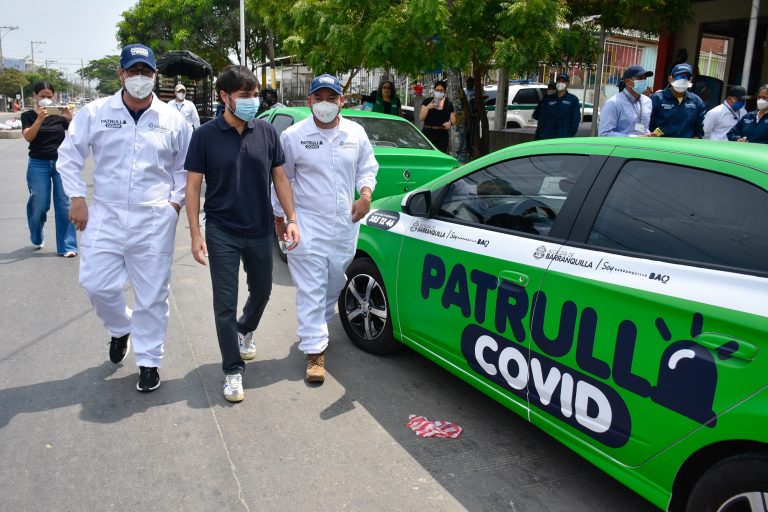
281 122
526 96
392 133
680 212
523 195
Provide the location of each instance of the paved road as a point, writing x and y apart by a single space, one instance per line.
76 435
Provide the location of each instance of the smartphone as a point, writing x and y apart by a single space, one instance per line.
55 110
284 245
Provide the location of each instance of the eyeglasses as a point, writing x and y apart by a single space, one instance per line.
682 77
148 72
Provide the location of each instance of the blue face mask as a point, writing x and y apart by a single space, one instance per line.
738 105
245 108
640 86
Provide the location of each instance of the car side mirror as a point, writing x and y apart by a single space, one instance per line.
418 203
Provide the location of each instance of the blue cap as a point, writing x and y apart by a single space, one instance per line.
137 53
564 77
636 72
325 81
681 68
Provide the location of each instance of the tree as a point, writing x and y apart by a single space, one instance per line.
51 76
209 28
105 71
11 83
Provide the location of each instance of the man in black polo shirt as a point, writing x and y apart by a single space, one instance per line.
239 157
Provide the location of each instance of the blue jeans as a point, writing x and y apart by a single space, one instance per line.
41 177
224 254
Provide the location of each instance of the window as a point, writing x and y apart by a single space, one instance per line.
523 195
530 96
392 133
281 122
679 212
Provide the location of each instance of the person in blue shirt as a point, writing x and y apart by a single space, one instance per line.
628 113
753 127
676 111
559 114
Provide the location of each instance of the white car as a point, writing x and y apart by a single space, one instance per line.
522 98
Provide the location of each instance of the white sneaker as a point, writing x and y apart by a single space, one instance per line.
247 345
233 387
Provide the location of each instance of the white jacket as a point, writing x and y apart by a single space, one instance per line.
719 121
136 163
188 111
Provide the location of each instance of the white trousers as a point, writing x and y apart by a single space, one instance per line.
135 244
317 267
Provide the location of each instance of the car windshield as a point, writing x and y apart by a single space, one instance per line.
392 133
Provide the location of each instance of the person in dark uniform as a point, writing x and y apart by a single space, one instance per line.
677 112
437 115
559 114
753 127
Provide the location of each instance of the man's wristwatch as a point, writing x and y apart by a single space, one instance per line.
290 221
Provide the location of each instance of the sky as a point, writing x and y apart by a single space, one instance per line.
72 30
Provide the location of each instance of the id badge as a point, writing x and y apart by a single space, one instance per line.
639 128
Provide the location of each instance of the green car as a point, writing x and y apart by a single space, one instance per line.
406 158
612 291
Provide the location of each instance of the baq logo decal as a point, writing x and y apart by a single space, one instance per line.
575 394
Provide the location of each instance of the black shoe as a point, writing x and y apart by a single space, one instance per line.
118 348
149 379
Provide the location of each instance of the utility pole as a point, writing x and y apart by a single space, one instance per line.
32 53
8 28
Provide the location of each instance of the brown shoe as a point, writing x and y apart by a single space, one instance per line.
315 367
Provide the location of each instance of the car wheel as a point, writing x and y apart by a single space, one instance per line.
280 253
513 124
737 484
364 309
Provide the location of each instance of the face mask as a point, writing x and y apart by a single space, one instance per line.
439 95
45 102
245 108
180 96
762 104
560 86
325 111
738 105
681 85
640 86
139 86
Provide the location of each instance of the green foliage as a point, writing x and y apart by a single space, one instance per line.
51 76
105 71
11 82
652 16
209 28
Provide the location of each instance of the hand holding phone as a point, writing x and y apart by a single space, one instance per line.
54 110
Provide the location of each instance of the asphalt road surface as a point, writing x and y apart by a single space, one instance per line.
76 435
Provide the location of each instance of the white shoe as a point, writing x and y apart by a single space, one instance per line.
233 387
247 345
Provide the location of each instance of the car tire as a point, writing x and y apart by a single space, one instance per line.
281 254
731 484
364 309
512 124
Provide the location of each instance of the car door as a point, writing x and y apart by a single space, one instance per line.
656 307
467 276
524 102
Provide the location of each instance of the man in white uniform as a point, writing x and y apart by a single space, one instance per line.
719 121
139 144
185 107
327 158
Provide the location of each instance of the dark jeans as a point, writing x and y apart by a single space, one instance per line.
224 254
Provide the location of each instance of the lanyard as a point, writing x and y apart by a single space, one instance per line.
733 112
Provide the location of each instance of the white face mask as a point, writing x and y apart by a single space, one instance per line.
439 95
681 85
762 104
180 96
45 102
139 86
560 86
325 111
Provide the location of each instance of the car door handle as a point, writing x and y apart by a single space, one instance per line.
515 277
716 341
